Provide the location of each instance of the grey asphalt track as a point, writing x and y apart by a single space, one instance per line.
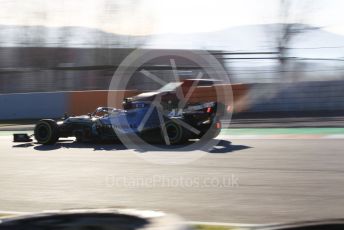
246 181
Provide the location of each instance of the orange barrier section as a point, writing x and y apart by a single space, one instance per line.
240 94
83 102
239 99
226 94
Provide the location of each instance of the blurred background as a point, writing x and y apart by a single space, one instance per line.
287 53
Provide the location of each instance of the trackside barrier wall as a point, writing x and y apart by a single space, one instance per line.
269 97
82 102
32 105
56 104
296 97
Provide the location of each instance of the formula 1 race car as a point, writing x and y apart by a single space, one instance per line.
153 116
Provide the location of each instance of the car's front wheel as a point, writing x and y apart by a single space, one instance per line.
46 132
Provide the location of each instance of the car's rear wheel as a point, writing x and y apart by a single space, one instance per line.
176 134
46 132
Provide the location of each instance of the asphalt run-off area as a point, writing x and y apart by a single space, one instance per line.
260 175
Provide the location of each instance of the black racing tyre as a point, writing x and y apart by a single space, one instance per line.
46 132
176 133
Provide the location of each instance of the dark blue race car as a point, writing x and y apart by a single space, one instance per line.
157 116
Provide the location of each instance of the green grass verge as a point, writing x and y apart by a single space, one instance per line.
211 227
273 131
10 133
5 215
252 131
17 122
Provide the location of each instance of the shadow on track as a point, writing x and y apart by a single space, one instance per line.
76 145
227 147
223 146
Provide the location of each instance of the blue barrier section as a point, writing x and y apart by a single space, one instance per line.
298 96
33 105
